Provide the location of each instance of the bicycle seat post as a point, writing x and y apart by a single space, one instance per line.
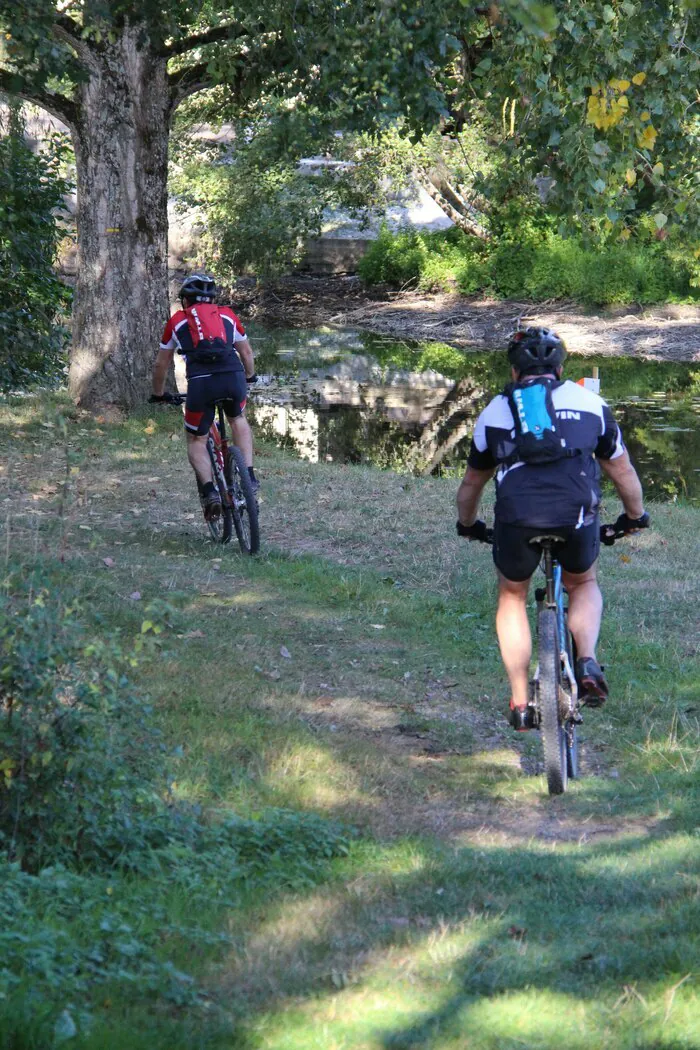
547 544
549 572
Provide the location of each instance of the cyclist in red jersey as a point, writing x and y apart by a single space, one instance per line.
220 364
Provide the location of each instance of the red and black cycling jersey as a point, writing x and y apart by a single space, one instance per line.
206 335
566 492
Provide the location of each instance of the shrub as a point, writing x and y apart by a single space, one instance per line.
397 259
108 883
78 750
82 776
534 263
34 305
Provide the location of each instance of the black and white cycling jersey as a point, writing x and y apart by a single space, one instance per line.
566 492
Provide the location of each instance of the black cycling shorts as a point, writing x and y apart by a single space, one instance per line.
204 391
517 559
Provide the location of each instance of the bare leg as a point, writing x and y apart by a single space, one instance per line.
199 457
243 437
514 637
585 609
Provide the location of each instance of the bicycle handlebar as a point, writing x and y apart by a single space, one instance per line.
609 533
167 399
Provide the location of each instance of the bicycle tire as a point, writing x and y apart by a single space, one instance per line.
244 504
553 732
572 755
221 528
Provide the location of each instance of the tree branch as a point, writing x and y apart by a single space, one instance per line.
68 32
229 31
188 81
247 78
465 222
60 106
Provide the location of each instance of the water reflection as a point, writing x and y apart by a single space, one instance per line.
346 396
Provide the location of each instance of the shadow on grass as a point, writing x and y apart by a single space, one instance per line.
497 948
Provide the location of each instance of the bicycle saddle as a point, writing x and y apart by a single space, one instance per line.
546 538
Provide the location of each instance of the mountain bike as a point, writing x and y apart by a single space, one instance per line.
239 506
553 689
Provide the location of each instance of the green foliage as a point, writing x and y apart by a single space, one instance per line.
537 265
258 217
606 107
34 303
77 750
108 882
83 768
396 259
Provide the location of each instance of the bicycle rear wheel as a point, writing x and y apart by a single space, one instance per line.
244 504
554 736
221 528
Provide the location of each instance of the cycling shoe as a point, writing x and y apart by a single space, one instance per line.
522 718
592 685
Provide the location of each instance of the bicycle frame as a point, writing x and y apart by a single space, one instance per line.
217 432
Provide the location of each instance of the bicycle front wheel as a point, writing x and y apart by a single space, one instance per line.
572 765
244 504
553 732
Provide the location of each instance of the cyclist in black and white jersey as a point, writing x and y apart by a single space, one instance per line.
562 497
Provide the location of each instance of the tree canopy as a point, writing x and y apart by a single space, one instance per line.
601 96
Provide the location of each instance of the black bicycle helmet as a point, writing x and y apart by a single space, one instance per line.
536 350
198 287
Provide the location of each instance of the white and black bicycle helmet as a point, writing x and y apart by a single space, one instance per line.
199 287
536 350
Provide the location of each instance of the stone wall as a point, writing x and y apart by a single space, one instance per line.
329 255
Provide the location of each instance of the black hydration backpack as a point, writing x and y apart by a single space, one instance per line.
537 435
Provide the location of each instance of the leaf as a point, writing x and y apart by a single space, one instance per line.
625 558
630 176
135 596
146 626
194 634
638 78
648 137
599 186
284 651
109 562
660 219
608 14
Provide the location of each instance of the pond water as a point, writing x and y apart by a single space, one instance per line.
346 396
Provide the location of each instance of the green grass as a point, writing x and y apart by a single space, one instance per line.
472 909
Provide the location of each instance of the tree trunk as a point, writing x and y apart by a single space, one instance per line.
121 295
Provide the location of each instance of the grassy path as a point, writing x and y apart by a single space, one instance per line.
352 671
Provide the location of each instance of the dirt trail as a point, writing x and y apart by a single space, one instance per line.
664 332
